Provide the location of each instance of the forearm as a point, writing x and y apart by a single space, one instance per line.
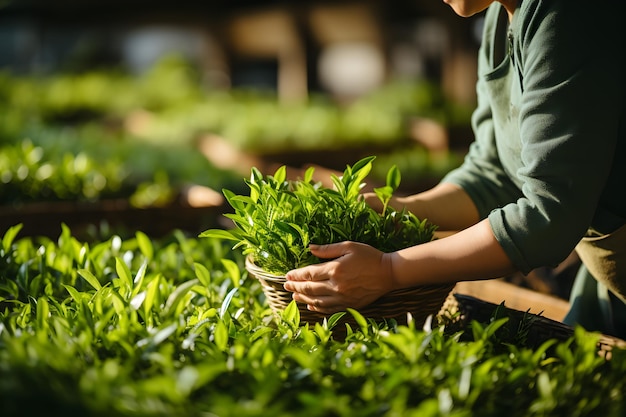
471 254
446 205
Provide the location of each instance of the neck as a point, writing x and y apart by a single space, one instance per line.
510 6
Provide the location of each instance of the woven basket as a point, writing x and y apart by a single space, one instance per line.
420 301
461 309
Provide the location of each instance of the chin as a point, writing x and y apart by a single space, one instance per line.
464 12
460 9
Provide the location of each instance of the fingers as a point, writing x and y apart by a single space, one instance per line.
307 273
350 279
319 272
320 304
317 295
330 251
309 288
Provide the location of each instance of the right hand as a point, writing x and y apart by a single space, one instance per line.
353 275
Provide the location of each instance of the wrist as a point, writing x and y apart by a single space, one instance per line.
387 269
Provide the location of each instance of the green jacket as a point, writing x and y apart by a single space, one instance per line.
549 156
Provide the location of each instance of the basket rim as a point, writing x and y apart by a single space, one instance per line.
252 267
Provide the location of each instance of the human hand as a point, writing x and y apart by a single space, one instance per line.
356 275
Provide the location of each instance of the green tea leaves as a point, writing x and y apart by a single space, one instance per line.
219 234
226 302
90 278
393 178
202 273
124 275
9 236
187 342
220 336
177 296
280 218
145 245
280 175
233 271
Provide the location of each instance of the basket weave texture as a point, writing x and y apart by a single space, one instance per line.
539 329
420 302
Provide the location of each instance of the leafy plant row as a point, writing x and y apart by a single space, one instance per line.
61 165
28 174
173 327
169 104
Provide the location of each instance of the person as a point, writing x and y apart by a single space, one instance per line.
545 174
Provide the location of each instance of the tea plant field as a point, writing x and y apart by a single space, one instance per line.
175 327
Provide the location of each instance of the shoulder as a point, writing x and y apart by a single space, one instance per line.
570 32
571 19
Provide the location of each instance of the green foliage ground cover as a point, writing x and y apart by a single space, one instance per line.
174 327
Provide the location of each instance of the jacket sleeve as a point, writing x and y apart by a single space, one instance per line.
570 57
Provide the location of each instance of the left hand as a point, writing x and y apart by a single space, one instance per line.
356 275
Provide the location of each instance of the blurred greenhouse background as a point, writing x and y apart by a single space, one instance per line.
136 114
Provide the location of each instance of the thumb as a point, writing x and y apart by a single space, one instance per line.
330 251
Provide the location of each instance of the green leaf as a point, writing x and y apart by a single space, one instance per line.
280 175
360 320
232 269
393 178
152 291
544 385
260 332
43 312
540 352
280 218
9 237
341 230
384 194
291 314
244 224
90 278
334 319
73 293
308 174
227 300
123 272
338 183
145 244
139 276
86 313
242 201
230 198
361 164
178 294
220 335
203 274
219 234
290 228
138 300
159 337
255 178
